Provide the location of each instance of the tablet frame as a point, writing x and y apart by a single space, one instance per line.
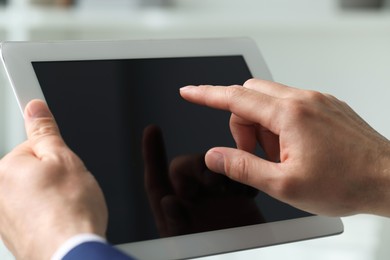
17 58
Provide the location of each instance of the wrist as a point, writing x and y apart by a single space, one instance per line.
44 245
378 183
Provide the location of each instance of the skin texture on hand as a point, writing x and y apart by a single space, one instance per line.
321 157
46 193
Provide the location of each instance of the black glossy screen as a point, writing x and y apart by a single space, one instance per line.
145 144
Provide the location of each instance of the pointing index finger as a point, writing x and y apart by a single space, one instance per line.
246 103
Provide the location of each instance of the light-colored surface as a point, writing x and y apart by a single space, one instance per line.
308 44
233 239
359 242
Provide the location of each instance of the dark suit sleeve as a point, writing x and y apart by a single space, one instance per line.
97 251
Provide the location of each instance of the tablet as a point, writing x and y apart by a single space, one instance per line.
118 107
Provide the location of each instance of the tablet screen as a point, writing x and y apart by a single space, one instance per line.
145 144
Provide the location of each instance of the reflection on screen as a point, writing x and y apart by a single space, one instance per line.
145 144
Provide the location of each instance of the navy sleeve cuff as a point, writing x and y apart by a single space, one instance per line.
97 251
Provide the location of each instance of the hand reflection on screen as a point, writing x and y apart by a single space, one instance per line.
186 197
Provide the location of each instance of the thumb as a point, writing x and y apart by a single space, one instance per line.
41 128
242 166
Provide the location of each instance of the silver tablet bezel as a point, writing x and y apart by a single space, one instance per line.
17 58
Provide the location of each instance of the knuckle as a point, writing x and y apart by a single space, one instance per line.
329 96
234 95
306 105
238 170
43 127
296 108
314 95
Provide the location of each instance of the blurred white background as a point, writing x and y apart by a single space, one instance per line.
309 44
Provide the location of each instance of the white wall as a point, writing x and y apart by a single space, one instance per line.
308 44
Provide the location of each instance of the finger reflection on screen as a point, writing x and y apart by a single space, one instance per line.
186 197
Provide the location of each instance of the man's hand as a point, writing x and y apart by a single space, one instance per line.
321 156
46 193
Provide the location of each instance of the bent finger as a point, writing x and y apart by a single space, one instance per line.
156 179
244 133
243 167
247 135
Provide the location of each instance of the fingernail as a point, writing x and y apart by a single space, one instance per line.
216 161
186 88
37 109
